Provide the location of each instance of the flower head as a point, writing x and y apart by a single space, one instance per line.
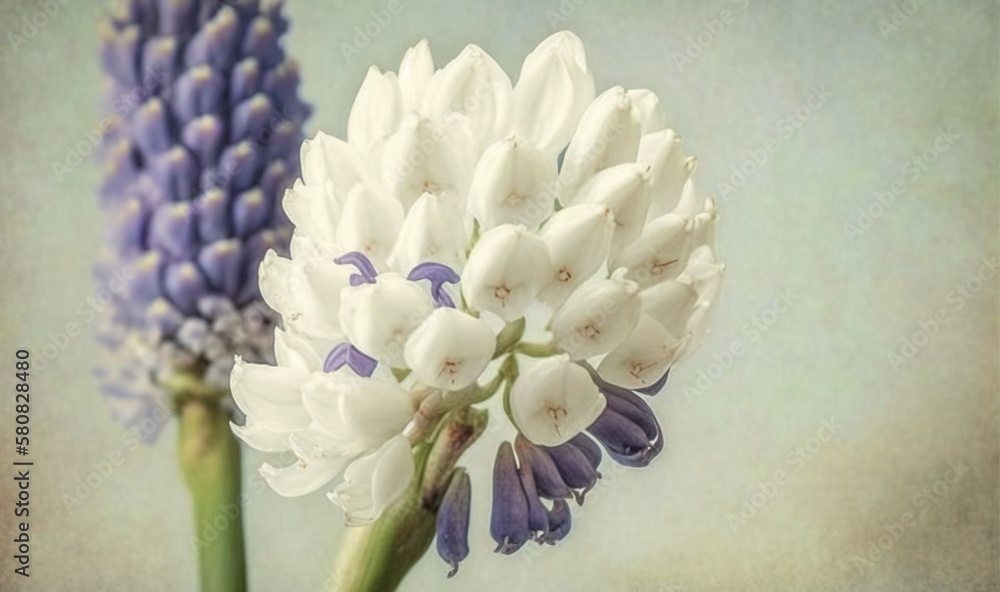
431 240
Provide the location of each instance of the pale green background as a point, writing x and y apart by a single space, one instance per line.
663 529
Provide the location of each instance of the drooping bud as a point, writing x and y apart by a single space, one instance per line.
669 169
506 269
432 231
509 516
554 400
450 349
578 238
661 251
625 189
597 317
513 183
453 521
651 117
374 482
379 317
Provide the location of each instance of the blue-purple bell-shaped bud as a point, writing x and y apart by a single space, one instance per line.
548 482
560 522
627 428
207 122
575 468
453 520
509 516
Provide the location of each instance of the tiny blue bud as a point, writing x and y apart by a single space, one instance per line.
509 516
453 521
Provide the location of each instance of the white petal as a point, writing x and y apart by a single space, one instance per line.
597 317
608 134
270 395
325 157
450 349
513 183
314 210
578 238
369 224
356 413
650 115
553 91
376 111
661 251
555 400
301 477
625 189
475 86
671 303
669 169
506 269
375 482
298 352
432 231
260 437
415 72
306 292
378 318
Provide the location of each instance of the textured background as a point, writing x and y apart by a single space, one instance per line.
854 298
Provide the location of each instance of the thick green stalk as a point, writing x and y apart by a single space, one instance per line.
210 461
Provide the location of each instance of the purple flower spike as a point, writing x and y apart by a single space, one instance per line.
439 275
656 387
207 126
345 354
364 265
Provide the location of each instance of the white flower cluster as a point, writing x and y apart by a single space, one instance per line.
456 200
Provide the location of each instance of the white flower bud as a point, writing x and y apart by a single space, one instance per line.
450 349
426 157
354 413
625 189
513 183
376 111
306 292
578 238
415 73
378 318
661 153
608 134
475 86
506 269
269 395
375 482
644 357
554 400
553 91
369 224
671 304
661 251
432 231
597 317
651 117
326 158
314 210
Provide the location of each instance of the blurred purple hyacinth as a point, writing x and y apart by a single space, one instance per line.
207 128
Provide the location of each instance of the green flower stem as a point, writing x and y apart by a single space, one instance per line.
536 350
210 461
377 557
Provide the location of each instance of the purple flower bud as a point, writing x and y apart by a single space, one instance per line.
453 521
439 275
172 230
509 517
575 468
589 448
538 515
362 263
560 522
245 80
625 441
197 92
221 262
548 482
251 211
